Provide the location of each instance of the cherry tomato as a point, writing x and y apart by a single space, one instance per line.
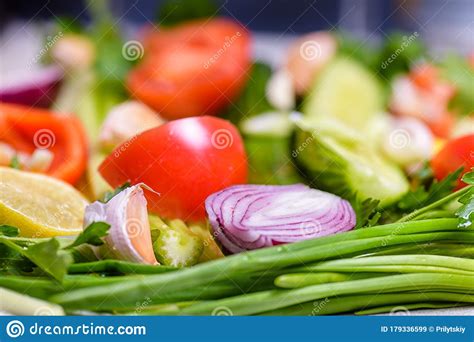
456 153
193 69
184 161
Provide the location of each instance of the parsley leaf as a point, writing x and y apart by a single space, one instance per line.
367 211
422 196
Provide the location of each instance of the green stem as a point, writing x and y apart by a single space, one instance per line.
435 205
107 297
117 266
346 304
296 280
259 302
394 260
404 309
440 248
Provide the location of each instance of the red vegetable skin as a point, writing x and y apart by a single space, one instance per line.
456 153
27 129
193 69
184 160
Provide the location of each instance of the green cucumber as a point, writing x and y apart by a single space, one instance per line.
342 162
346 91
174 244
267 139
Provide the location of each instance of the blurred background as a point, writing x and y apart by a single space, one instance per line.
442 24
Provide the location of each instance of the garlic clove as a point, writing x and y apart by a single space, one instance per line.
129 235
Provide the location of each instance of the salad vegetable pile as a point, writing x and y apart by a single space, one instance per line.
174 170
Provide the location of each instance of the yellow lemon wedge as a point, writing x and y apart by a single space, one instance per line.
38 205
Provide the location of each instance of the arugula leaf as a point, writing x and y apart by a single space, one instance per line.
50 258
92 235
10 231
110 194
420 196
173 12
47 255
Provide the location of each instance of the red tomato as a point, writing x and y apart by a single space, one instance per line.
184 160
193 69
456 153
26 129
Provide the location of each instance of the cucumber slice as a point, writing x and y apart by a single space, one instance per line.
342 162
267 139
174 243
345 90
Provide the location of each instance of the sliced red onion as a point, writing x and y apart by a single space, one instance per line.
23 77
36 87
247 217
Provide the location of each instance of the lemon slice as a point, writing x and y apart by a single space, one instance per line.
38 205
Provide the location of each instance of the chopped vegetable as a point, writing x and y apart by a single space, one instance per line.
280 92
29 306
408 141
247 217
24 79
205 60
27 129
185 160
338 160
125 121
455 153
346 91
129 237
267 139
38 205
307 57
424 95
175 244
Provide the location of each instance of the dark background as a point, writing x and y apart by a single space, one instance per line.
445 24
